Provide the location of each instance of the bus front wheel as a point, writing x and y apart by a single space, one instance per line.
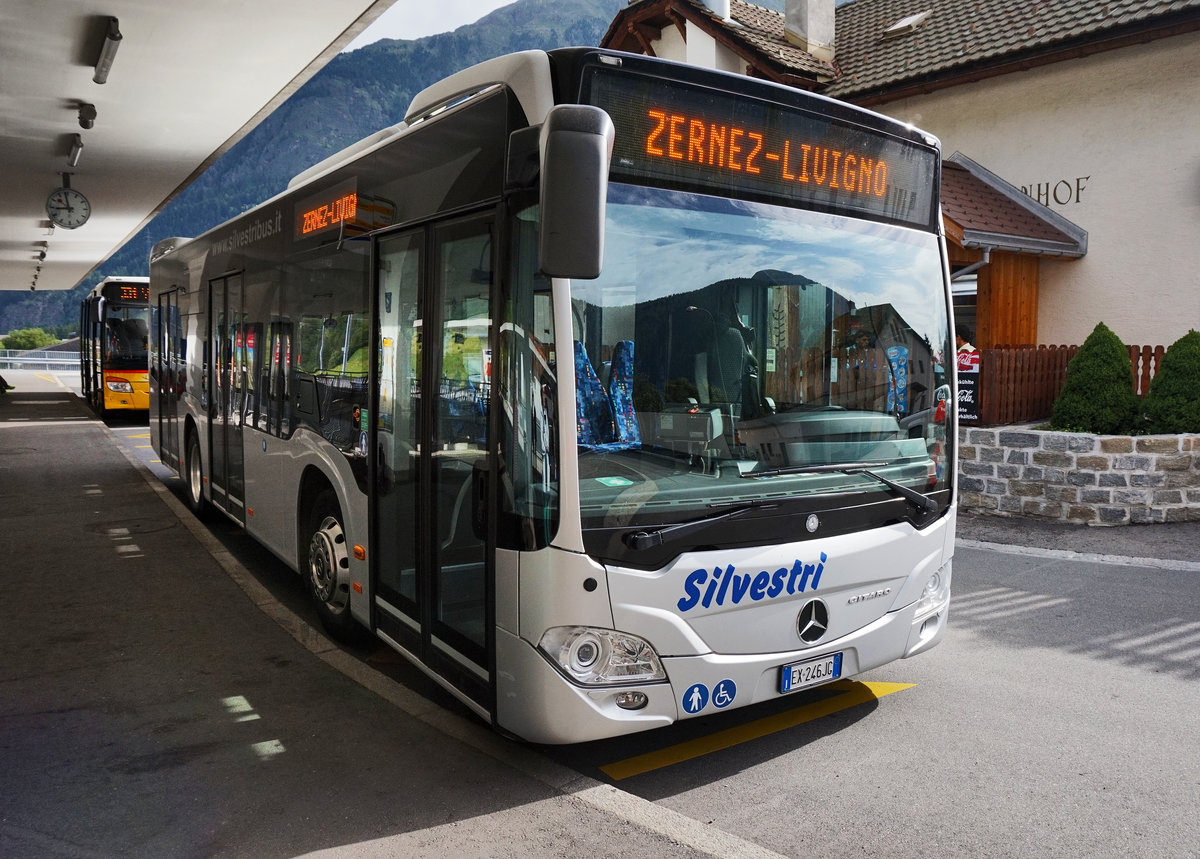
328 567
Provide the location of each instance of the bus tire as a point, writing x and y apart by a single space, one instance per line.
193 477
327 567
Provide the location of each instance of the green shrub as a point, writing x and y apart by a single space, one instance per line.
1098 394
1172 404
28 338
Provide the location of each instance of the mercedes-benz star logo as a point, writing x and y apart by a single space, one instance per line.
813 621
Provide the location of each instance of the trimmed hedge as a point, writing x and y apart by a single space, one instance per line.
1172 404
1098 395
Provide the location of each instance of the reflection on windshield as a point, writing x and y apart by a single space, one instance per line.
726 338
127 337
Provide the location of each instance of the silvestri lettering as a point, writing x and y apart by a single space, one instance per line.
728 585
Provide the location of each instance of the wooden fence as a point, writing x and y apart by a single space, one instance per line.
1019 384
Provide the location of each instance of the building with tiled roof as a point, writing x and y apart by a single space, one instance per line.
960 41
1086 111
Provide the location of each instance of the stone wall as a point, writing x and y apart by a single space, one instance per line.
1080 478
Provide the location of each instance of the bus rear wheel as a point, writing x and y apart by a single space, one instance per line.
194 477
328 567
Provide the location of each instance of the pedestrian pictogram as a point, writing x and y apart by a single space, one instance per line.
695 698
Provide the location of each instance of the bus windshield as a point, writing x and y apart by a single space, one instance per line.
736 353
127 331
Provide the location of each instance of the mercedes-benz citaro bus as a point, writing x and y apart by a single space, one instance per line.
609 391
114 330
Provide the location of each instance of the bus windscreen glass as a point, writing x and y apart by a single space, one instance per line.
691 137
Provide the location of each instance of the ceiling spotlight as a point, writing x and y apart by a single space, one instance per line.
112 41
87 115
76 151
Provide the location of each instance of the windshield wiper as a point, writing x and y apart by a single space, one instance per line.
648 539
921 502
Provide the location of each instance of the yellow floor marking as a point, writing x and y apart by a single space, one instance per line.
143 435
854 693
141 446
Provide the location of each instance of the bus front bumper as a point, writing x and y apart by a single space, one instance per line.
128 392
537 703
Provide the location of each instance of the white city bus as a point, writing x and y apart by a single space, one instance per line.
611 392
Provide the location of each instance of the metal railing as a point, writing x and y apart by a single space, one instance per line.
38 359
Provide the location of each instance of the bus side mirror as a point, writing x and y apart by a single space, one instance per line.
575 144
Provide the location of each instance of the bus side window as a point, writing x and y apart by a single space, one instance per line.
252 369
332 359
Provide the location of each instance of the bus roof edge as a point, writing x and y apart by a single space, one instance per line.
526 73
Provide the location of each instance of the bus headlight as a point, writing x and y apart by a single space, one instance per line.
601 656
119 386
936 593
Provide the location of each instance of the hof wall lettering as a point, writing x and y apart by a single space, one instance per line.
1062 192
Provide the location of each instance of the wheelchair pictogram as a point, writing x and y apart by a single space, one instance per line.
724 693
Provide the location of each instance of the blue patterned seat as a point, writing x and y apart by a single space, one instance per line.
593 412
620 394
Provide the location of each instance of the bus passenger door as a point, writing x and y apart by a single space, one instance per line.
167 377
226 383
433 570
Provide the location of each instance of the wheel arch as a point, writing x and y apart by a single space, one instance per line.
351 622
313 482
190 428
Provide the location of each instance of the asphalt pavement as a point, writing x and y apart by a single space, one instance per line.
146 709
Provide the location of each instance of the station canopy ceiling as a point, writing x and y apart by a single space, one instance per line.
188 80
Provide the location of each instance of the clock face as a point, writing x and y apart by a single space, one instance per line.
68 208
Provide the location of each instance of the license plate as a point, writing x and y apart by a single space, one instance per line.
810 672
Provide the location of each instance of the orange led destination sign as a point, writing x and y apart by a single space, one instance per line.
326 210
127 292
690 137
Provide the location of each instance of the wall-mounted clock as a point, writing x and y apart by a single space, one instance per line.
68 208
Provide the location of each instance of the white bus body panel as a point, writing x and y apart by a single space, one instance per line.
747 642
756 593
273 469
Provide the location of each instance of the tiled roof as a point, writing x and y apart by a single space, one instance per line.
963 33
992 213
762 29
956 37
